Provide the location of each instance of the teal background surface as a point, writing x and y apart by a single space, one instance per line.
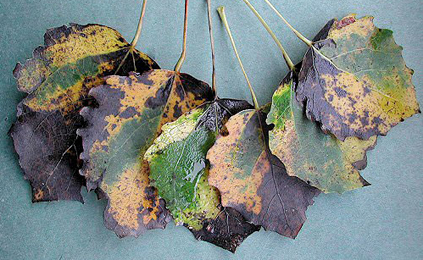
382 221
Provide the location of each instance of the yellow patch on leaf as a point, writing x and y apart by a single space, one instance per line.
236 187
127 196
363 27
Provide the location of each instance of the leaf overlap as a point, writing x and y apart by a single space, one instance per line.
131 111
319 159
57 79
179 171
354 81
253 181
160 144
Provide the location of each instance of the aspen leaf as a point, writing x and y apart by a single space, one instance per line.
253 181
179 171
130 113
319 159
354 80
57 79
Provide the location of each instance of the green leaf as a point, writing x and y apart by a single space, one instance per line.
130 113
73 60
179 171
354 80
253 181
177 162
321 160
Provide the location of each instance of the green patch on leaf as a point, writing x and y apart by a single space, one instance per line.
58 77
354 80
179 171
313 156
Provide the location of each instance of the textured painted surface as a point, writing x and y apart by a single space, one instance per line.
131 110
57 79
253 181
319 159
179 170
355 80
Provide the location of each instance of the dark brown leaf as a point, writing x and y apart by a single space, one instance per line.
253 181
58 77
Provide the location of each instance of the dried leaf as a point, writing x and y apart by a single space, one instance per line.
131 111
57 79
179 172
321 160
355 81
253 181
227 230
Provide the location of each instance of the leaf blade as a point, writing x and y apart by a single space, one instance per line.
179 171
253 181
355 81
58 79
321 160
129 117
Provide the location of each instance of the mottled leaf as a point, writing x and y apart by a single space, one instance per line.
313 156
131 111
253 181
179 170
57 79
355 81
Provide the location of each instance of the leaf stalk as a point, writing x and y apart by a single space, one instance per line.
297 33
266 26
139 28
184 46
210 21
222 14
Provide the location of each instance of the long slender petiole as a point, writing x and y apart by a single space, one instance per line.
222 15
212 45
184 47
139 28
135 40
299 35
266 26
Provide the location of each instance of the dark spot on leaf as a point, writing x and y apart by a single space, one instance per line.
344 22
129 112
160 99
340 92
177 112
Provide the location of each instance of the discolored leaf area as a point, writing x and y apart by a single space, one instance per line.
319 159
253 181
354 80
57 79
131 111
179 171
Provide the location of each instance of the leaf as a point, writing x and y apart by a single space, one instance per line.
227 230
320 160
131 111
179 171
57 79
355 81
253 181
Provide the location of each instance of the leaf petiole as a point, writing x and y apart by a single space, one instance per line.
266 26
210 21
135 40
297 33
221 10
184 47
139 28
